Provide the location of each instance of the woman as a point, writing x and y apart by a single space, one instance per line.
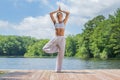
57 44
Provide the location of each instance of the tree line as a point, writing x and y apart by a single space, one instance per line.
100 39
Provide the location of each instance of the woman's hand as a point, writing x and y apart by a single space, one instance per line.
59 9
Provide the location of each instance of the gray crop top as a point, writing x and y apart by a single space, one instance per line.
60 25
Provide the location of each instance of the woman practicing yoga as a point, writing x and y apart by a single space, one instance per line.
57 44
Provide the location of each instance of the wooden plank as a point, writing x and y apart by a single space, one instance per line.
103 74
111 75
88 75
71 75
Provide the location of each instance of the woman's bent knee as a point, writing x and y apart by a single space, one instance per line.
44 49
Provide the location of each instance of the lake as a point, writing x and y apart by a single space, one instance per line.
49 63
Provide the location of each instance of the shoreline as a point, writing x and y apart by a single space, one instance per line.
55 57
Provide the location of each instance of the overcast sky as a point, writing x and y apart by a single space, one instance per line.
31 17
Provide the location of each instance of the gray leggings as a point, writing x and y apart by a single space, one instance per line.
56 44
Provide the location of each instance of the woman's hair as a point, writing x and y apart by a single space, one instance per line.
59 13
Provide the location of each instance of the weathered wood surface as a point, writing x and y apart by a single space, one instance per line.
103 74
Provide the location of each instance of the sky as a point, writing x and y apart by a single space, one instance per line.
31 17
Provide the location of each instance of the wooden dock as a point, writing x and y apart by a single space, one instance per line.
102 74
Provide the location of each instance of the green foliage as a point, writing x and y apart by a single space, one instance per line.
36 49
70 46
82 52
104 54
14 45
101 37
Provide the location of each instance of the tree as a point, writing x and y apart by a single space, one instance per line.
70 46
36 49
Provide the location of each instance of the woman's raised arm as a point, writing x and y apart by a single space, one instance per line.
52 17
66 17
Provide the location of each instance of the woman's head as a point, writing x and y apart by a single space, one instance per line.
59 15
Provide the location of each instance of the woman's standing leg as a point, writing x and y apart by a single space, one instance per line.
60 56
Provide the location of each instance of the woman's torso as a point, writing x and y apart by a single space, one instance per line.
60 29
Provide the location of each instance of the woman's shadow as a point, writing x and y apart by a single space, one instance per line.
77 72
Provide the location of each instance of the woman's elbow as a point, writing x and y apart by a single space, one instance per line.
68 13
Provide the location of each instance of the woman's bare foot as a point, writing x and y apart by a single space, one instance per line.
58 71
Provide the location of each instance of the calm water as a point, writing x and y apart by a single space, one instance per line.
49 63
